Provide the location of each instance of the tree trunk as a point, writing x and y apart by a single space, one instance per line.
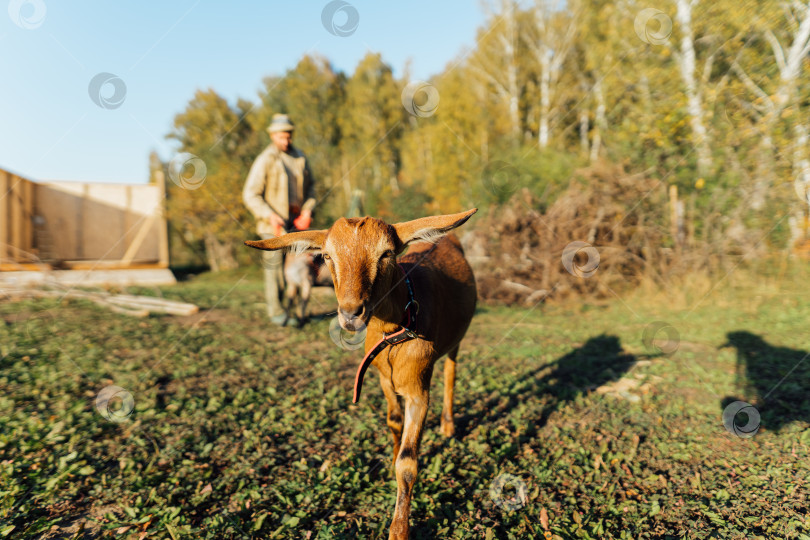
509 43
694 101
600 121
502 71
584 121
801 182
220 255
556 32
545 96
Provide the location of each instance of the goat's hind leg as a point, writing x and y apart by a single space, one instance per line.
303 300
394 418
289 302
448 426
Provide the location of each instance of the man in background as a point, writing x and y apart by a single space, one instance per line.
280 193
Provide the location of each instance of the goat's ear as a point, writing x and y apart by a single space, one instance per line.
299 242
432 228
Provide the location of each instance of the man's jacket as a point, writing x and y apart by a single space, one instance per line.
267 187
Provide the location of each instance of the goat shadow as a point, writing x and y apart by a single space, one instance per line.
776 380
597 362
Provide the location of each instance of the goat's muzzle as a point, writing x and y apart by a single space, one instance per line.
354 317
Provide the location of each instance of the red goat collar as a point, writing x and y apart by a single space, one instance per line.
406 333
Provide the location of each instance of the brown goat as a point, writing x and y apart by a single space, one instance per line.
302 272
374 290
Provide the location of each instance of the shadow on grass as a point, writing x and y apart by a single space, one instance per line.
776 380
597 362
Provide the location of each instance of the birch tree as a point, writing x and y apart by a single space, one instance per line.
788 54
600 125
556 30
694 98
496 60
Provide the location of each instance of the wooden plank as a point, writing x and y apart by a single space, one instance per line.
99 299
110 265
146 226
128 220
153 304
81 221
4 214
163 247
16 216
138 306
28 216
30 267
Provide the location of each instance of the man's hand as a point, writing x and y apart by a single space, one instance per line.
277 223
274 220
303 221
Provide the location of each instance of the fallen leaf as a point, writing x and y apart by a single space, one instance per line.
544 519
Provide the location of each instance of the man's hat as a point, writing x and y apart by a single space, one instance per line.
280 122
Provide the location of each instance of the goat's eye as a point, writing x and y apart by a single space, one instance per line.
326 257
389 253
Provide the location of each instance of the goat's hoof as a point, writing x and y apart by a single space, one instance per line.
448 427
398 532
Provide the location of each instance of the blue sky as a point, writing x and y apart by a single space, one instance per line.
50 128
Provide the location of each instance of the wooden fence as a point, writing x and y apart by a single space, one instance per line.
81 225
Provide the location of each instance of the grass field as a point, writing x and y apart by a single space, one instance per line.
243 430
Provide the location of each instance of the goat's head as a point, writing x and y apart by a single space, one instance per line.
361 255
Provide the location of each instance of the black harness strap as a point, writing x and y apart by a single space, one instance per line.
407 333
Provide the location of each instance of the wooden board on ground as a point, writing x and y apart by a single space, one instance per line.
126 304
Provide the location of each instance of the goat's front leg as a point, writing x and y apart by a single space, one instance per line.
394 418
415 412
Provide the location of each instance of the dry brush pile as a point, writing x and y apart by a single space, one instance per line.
609 228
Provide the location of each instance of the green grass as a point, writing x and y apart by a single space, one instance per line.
242 430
